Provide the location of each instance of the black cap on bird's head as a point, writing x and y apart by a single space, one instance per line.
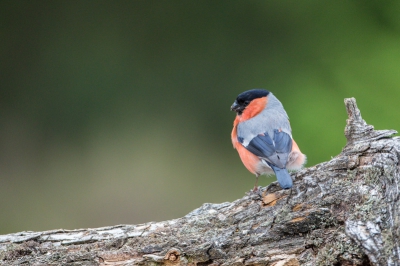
246 97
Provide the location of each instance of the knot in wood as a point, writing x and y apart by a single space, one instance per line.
172 255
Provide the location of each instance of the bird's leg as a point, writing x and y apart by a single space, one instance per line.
255 185
290 194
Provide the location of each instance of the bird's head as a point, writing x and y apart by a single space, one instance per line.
245 98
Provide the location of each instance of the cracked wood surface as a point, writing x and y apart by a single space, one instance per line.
341 212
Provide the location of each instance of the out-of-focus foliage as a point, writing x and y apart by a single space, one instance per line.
118 111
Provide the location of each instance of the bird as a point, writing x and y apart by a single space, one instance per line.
262 136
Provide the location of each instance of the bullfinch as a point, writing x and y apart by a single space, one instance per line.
263 138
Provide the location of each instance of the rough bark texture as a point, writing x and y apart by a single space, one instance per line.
342 212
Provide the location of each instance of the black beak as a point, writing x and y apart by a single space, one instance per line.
235 106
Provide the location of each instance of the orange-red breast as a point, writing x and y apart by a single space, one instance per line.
263 138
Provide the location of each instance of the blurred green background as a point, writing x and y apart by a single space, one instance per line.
117 112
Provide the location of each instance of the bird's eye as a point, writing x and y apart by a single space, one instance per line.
246 102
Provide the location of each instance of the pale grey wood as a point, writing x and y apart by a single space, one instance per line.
341 212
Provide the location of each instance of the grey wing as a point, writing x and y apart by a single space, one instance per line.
274 151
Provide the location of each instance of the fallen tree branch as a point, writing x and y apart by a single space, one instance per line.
342 212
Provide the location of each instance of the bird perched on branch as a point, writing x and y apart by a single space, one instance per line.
263 138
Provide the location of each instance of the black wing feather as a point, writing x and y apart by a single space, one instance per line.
274 151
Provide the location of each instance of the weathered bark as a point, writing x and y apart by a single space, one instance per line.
342 212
